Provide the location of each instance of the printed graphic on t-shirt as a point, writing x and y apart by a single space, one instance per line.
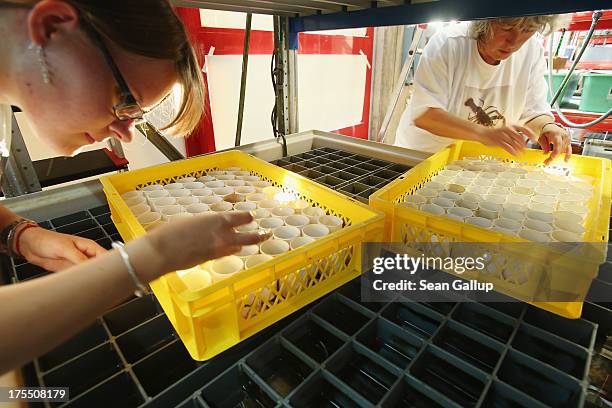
486 115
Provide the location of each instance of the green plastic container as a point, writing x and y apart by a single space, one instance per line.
597 92
568 91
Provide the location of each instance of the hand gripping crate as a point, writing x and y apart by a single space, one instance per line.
521 274
217 317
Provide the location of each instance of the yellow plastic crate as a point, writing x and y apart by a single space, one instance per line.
215 318
542 267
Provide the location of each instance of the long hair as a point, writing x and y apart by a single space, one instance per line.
152 29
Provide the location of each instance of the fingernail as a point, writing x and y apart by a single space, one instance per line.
253 214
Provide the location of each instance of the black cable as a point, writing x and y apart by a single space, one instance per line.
273 117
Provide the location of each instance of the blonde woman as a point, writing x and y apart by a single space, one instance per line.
83 71
484 81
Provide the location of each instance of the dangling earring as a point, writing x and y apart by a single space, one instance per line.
42 61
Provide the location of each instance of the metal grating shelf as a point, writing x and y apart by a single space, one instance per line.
410 351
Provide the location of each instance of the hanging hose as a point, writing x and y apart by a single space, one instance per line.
553 103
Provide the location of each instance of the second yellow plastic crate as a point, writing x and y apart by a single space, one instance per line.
215 318
540 266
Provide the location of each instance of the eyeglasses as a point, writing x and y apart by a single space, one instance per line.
127 108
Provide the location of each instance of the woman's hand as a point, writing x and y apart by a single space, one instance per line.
554 135
54 251
191 241
511 138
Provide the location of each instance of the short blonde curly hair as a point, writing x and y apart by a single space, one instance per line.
482 30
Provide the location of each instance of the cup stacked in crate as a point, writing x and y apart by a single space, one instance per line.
293 222
534 203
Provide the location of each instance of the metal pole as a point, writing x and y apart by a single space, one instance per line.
400 84
243 79
19 176
160 142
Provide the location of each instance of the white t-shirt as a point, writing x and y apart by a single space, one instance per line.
452 76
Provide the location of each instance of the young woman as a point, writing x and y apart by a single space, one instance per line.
83 71
484 81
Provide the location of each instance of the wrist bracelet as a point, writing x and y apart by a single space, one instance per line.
18 235
141 289
8 237
553 123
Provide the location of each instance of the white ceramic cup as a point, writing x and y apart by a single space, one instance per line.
232 169
226 177
300 241
456 188
538 226
470 205
443 202
535 236
503 191
519 199
261 213
185 201
449 195
206 179
475 189
529 183
154 194
152 187
195 278
271 191
201 192
460 212
417 200
286 233
235 183
221 206
282 212
247 250
563 216
508 224
178 193
222 191
198 208
539 216
429 193
149 220
256 197
211 199
271 223
186 179
313 213
471 197
299 205
245 206
216 173
140 209
268 204
315 231
225 267
131 194
479 221
543 199
158 203
496 198
173 186
214 184
194 185
434 185
332 222
171 210
260 184
134 201
251 179
296 220
570 226
257 259
244 190
489 210
274 247
432 209
522 191
566 236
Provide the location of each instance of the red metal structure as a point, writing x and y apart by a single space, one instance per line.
229 41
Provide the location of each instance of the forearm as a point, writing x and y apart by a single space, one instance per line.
442 123
39 315
7 217
538 122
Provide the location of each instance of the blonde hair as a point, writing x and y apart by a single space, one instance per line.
152 29
482 29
